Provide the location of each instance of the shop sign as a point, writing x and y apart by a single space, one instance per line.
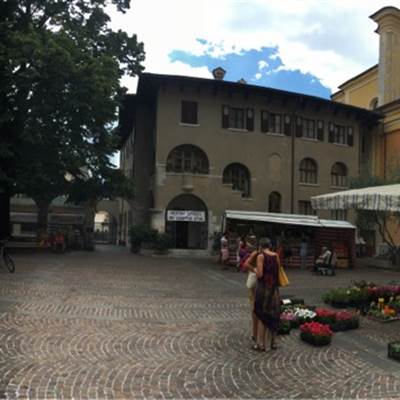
189 216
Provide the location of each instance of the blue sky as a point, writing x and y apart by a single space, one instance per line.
309 46
261 67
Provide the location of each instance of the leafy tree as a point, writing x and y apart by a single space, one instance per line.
60 67
387 222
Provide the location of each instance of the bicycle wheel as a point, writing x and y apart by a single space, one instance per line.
9 263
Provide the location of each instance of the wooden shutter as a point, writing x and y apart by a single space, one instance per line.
287 125
225 117
299 127
250 119
264 121
350 136
331 132
320 130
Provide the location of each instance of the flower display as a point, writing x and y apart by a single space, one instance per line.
316 329
316 333
344 315
304 313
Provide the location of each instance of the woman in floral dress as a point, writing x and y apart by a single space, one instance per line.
267 305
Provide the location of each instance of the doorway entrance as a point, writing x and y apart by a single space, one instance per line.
187 222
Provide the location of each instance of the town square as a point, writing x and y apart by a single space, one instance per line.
109 324
199 199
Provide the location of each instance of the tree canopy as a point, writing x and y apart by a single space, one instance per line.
60 70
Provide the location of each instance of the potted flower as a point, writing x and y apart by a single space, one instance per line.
394 350
316 333
325 316
344 321
289 317
304 315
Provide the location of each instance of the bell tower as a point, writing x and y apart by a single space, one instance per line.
388 20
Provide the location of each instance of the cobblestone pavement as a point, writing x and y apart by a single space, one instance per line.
109 324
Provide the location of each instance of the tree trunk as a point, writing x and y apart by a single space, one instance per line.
88 224
4 213
42 217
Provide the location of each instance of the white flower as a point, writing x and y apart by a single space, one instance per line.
304 313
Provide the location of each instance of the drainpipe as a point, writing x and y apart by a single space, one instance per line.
293 136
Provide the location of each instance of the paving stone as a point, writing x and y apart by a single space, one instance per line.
109 324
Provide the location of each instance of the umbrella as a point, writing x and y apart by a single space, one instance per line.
378 198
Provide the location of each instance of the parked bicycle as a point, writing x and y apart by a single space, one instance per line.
5 259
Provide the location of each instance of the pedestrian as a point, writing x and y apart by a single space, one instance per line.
250 265
267 299
224 251
303 254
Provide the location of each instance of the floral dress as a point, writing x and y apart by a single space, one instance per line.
267 305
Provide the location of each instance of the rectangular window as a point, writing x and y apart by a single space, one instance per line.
340 215
236 118
339 134
320 130
305 208
275 123
189 112
309 128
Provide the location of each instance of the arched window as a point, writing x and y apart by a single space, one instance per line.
373 104
339 175
187 158
308 171
274 202
239 177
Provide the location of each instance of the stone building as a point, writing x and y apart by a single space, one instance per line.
378 88
196 147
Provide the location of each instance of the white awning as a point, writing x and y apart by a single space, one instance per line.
287 219
381 198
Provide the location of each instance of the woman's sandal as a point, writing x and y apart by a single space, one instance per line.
256 347
273 346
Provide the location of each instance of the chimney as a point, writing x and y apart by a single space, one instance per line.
243 81
218 73
388 20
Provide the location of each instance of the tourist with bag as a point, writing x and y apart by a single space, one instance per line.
267 304
249 265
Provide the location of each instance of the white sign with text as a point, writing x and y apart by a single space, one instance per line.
189 216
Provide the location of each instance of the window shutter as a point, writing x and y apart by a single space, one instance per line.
350 136
287 125
331 132
320 130
264 121
225 117
250 119
299 127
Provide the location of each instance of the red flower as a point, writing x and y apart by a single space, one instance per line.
325 313
344 316
316 329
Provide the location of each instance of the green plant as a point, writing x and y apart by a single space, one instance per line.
139 234
162 243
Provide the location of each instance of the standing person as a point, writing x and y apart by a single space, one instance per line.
267 302
303 254
224 251
250 265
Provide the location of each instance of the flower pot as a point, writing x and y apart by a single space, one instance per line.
394 351
315 340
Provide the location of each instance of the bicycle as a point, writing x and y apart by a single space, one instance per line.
5 259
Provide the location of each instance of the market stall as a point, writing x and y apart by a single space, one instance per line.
378 198
289 230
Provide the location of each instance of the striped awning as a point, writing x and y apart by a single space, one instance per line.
378 198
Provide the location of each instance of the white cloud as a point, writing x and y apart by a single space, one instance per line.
332 40
257 76
262 64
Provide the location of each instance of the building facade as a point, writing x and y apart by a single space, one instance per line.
378 88
196 147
